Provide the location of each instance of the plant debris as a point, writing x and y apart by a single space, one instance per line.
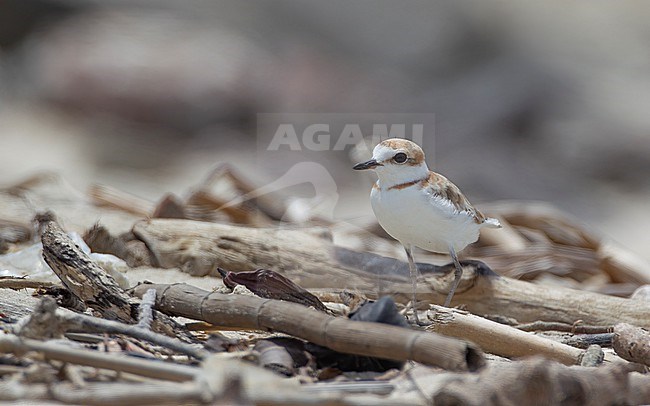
317 323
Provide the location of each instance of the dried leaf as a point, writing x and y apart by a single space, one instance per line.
271 285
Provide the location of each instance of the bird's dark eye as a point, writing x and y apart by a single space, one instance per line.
400 157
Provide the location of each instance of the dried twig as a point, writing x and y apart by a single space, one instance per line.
22 283
586 340
48 321
10 343
564 327
340 334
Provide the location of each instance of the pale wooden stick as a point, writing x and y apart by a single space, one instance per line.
10 343
499 339
339 334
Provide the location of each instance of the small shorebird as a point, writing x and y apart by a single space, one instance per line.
421 208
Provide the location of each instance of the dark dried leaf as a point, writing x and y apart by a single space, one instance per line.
271 285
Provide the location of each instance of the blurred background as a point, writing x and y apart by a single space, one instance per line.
536 100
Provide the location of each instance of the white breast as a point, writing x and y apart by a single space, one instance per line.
415 216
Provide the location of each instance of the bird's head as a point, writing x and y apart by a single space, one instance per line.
396 160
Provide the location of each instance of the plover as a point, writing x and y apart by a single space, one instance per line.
421 208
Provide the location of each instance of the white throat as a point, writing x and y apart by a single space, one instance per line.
392 174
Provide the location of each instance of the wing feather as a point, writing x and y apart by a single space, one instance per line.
445 189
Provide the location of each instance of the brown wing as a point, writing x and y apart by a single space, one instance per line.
442 187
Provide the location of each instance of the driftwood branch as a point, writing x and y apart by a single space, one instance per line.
92 285
529 302
311 260
339 334
81 276
199 248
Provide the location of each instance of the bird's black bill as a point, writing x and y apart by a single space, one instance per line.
366 165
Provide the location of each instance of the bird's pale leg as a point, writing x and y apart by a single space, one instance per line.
413 270
458 273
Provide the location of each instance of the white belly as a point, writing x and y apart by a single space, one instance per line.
413 216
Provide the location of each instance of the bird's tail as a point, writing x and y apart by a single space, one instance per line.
492 223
